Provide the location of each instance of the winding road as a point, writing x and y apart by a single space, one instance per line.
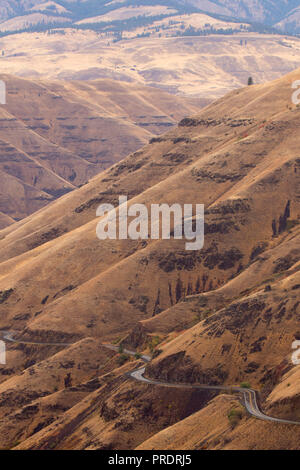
249 396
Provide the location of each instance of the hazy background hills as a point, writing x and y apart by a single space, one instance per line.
283 15
57 135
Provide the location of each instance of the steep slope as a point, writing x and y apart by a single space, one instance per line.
291 22
36 15
262 11
12 7
226 314
219 159
54 136
5 220
210 429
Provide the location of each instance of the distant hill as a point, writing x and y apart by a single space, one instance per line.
268 12
283 15
128 14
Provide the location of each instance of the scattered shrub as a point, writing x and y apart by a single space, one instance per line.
234 416
245 385
122 359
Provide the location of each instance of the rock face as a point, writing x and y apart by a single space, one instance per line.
227 314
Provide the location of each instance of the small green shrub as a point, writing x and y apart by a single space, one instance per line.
116 341
153 342
245 385
122 359
156 353
234 416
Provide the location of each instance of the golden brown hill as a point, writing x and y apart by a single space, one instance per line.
5 220
225 314
102 419
233 158
210 429
54 136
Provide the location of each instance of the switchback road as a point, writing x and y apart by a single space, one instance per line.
249 396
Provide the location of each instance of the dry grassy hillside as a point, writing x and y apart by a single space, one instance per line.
54 136
5 220
205 67
187 24
210 429
225 314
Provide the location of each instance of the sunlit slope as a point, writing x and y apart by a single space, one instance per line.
238 157
227 314
54 136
